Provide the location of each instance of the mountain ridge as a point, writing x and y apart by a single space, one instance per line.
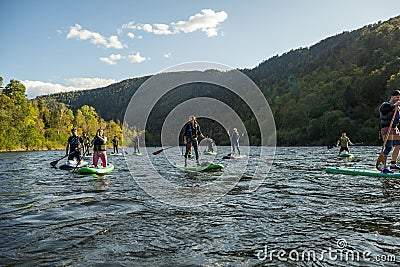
315 93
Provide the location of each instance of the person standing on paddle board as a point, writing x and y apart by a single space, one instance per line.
99 148
75 142
190 138
135 142
86 143
387 110
235 141
344 142
115 144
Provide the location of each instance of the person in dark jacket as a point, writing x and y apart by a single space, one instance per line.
74 145
115 144
190 138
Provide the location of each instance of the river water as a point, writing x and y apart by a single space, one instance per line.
299 216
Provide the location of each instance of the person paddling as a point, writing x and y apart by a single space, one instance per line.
99 148
86 143
390 110
235 140
190 138
344 142
74 145
135 142
115 144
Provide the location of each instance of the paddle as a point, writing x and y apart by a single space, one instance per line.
357 144
382 157
161 150
76 167
54 163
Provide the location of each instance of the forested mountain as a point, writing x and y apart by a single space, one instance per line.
315 93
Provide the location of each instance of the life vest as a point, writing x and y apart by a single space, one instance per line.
99 144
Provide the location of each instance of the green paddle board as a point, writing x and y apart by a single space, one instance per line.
96 170
345 155
361 171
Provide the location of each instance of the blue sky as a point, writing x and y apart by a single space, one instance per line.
56 45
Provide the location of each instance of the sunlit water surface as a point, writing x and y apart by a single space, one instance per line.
50 217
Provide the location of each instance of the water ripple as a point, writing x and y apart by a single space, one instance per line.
52 218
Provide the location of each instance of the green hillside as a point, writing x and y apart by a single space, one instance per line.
315 93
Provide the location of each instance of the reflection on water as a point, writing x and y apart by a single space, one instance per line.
51 218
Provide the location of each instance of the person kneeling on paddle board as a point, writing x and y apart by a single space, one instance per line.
190 136
75 142
99 148
392 134
344 142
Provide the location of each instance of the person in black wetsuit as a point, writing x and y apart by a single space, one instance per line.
115 144
75 142
190 138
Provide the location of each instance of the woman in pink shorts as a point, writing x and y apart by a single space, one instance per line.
99 148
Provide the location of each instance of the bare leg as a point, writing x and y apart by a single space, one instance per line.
395 154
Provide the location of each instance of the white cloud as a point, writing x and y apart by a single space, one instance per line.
89 83
136 58
36 88
207 21
95 38
130 35
168 55
161 29
111 60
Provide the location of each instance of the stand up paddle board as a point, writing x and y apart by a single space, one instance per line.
346 155
234 157
361 171
96 170
208 167
209 153
137 153
72 164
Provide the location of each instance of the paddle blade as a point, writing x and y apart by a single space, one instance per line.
380 162
161 150
158 151
54 163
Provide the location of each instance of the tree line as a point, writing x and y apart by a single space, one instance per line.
315 93
46 124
